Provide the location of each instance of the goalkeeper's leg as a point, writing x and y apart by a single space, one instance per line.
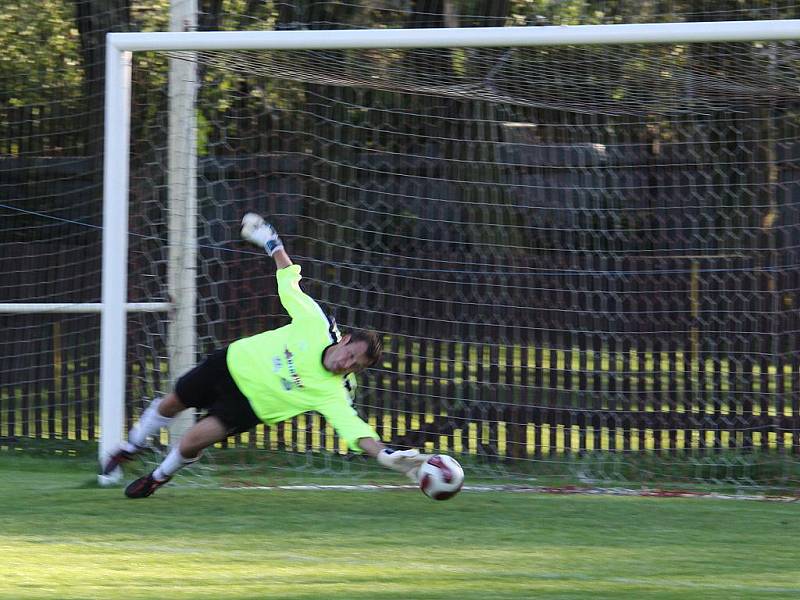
210 387
193 389
205 433
159 414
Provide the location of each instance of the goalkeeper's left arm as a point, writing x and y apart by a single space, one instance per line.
361 436
406 462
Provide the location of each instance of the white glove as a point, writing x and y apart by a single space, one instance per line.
261 233
407 462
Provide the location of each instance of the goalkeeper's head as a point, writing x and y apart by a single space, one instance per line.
357 350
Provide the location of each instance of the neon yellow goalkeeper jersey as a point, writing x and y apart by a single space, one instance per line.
281 372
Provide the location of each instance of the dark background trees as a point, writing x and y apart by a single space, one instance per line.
613 200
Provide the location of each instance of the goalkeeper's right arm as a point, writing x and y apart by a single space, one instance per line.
257 231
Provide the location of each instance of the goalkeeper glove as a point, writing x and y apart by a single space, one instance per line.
261 233
407 462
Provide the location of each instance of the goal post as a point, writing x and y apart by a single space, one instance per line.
120 47
182 225
182 200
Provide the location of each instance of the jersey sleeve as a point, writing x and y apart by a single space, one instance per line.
300 306
345 420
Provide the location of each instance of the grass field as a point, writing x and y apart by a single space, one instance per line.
63 538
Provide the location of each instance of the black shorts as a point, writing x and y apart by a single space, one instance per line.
210 386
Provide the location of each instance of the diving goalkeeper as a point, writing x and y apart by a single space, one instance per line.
269 377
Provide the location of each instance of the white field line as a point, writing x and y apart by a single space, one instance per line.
530 490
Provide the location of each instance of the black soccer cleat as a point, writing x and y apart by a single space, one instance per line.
118 458
144 486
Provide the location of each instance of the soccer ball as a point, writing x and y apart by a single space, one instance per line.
441 477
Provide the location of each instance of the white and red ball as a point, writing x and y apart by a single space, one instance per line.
441 477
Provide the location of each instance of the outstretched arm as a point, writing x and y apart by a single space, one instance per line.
282 259
257 231
296 302
407 462
361 436
371 447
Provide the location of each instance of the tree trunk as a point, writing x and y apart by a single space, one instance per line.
94 19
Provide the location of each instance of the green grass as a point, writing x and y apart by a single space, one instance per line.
63 538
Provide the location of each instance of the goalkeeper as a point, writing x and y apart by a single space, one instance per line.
269 377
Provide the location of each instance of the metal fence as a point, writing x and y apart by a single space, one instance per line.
672 354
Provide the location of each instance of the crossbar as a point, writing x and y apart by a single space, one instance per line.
463 37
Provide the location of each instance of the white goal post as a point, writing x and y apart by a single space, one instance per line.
120 47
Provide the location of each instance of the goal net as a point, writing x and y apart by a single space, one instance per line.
583 259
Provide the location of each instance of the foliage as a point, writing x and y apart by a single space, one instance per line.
40 61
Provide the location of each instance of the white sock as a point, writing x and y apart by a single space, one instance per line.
149 424
172 464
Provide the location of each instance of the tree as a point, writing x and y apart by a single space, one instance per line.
39 75
95 19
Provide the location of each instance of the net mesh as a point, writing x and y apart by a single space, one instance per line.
583 260
48 183
636 80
